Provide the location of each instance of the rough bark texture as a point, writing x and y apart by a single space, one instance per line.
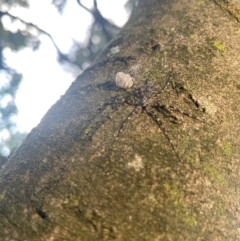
158 161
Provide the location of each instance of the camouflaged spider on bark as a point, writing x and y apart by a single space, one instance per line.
144 101
147 99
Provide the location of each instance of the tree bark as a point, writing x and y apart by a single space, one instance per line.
157 161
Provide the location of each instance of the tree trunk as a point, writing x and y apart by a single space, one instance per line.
156 161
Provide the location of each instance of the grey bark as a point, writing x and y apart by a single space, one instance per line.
157 161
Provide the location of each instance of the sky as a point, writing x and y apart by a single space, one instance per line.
44 80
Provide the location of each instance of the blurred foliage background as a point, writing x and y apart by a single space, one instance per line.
101 31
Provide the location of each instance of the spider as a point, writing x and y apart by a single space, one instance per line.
145 100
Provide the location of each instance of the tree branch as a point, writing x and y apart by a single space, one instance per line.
61 56
84 6
100 19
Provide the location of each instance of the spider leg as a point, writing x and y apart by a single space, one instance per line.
134 111
167 81
162 129
184 113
